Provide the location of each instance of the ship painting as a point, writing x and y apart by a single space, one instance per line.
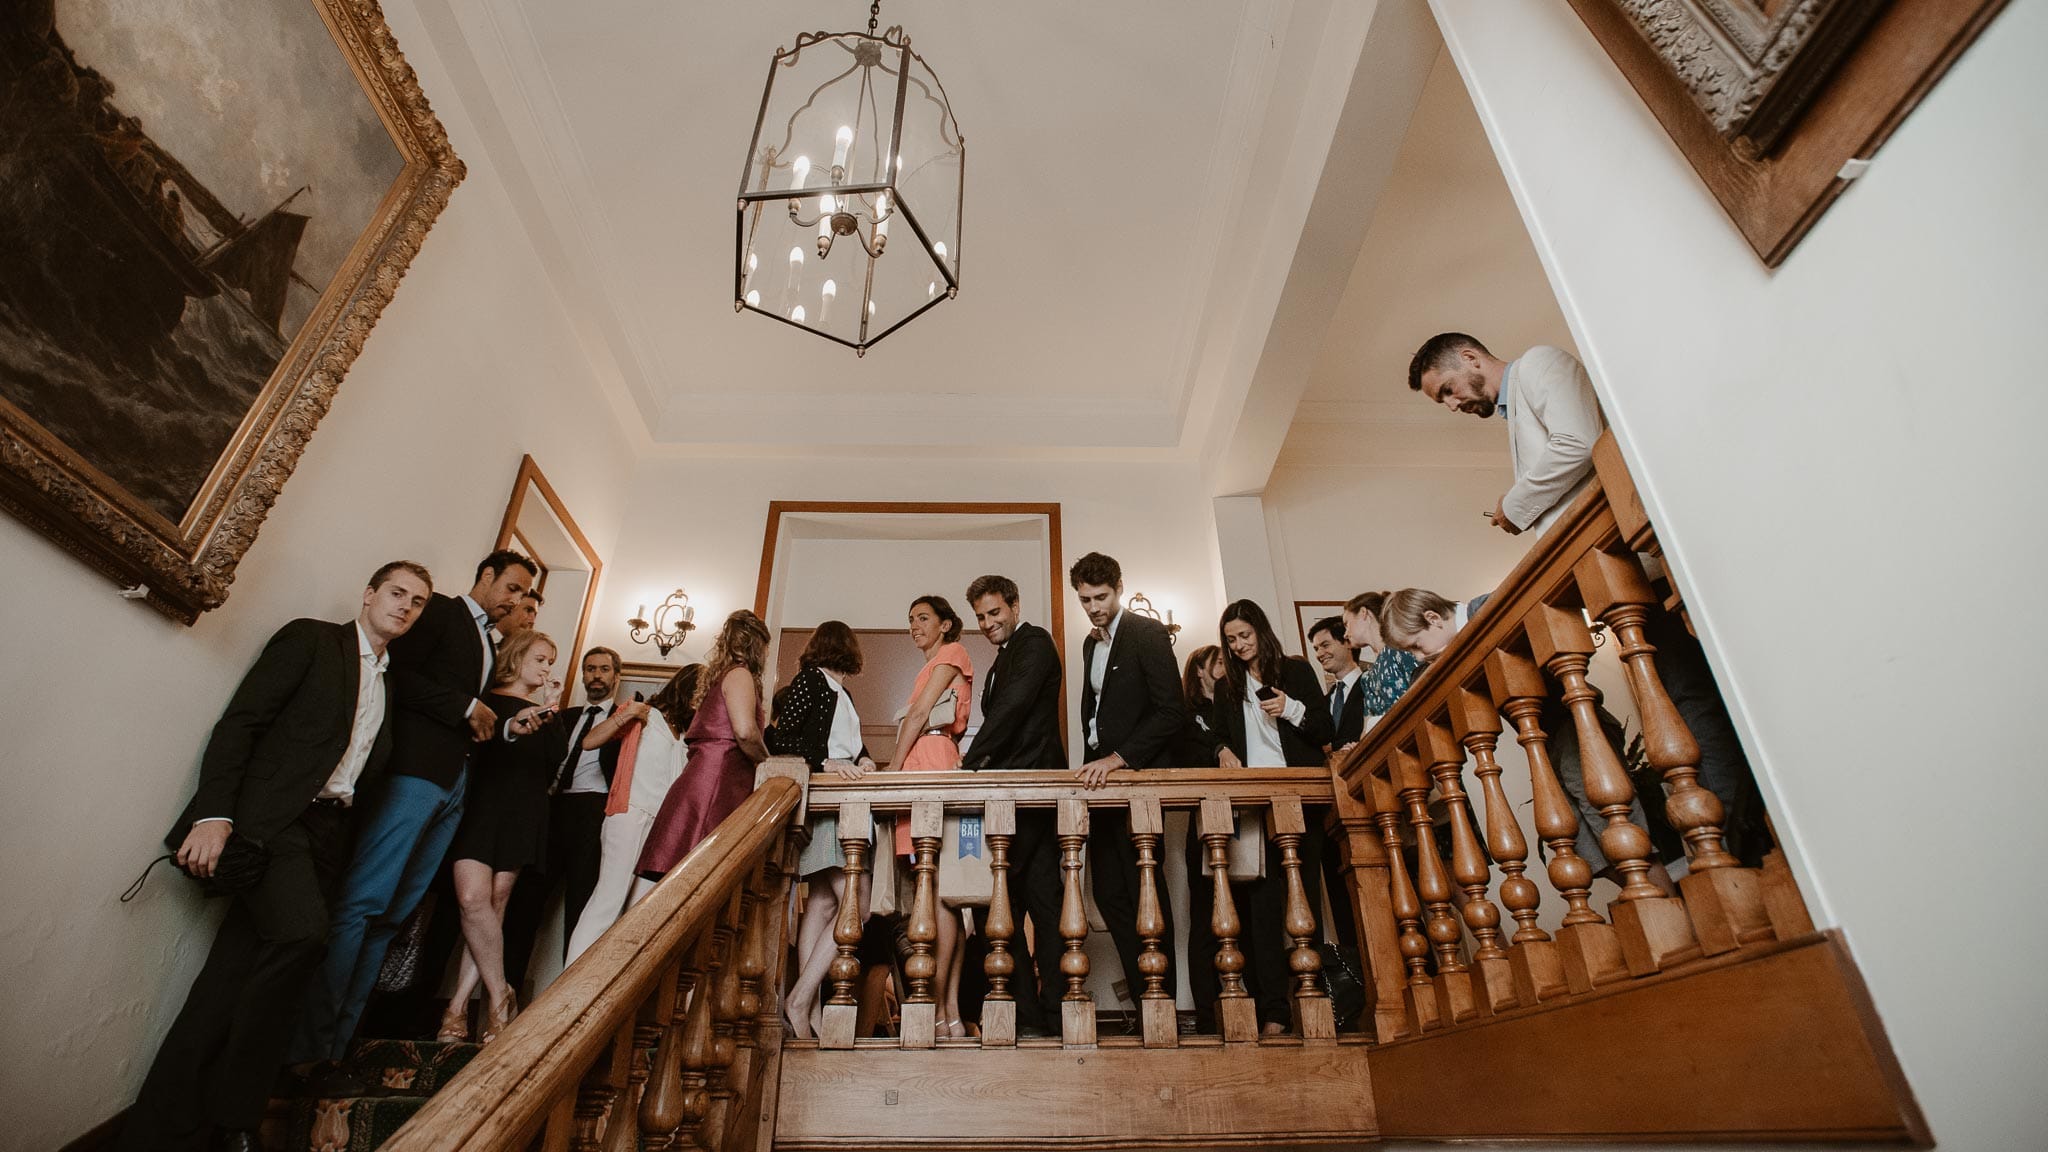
140 316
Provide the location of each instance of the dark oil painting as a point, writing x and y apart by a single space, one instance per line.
180 180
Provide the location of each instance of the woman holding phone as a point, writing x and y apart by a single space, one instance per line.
1268 714
504 824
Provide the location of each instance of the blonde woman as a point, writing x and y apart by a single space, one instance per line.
725 744
504 824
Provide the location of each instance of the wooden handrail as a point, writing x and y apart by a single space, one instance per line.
520 1082
1174 787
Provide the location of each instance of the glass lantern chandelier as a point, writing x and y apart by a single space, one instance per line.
850 199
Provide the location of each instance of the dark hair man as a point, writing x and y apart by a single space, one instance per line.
438 673
1553 419
522 616
1020 728
307 728
1346 698
1131 709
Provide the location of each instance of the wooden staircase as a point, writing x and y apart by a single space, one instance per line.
1715 1014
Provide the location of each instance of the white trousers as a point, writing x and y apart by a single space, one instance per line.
619 844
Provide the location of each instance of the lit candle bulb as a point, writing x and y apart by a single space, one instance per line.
829 293
939 249
797 313
641 614
753 265
800 171
931 289
754 298
841 145
796 269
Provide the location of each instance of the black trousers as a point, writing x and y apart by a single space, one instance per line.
575 820
1034 886
1262 915
217 1063
1114 860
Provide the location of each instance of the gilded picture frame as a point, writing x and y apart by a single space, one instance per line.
95 144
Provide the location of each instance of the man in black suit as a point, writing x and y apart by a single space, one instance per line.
438 672
575 820
1131 710
1346 701
1020 729
306 729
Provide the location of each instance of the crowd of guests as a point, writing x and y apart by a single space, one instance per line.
360 764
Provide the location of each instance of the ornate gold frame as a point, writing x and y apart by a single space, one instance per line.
187 566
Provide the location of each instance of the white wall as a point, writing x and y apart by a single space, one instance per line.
106 706
869 583
1843 461
699 522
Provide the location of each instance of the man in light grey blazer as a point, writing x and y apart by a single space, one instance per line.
1553 419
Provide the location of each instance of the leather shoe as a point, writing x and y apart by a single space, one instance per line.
236 1140
1031 1032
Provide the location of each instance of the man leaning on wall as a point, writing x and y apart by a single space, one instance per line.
307 728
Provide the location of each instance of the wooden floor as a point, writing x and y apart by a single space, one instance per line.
1278 1095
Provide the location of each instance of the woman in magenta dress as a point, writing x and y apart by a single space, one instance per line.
928 743
725 744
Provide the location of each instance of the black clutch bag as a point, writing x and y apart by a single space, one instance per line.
242 863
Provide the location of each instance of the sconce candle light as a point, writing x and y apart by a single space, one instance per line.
1140 604
672 622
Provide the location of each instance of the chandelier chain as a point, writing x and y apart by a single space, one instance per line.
874 16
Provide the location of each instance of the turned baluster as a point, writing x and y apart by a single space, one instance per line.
724 994
1534 968
1077 1007
920 1006
1654 929
842 1007
1368 886
622 1130
671 1109
1728 909
1443 758
1388 810
756 905
594 1097
999 1004
1155 1003
1236 1015
1455 997
1314 1019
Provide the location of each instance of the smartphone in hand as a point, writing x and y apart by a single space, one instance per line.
1267 692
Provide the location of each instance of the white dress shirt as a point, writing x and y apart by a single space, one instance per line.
341 785
1553 419
844 742
1098 668
588 775
1262 732
660 760
483 636
1349 684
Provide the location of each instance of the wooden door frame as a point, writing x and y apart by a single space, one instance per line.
508 532
1056 603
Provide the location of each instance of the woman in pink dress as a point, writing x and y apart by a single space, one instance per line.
946 680
725 744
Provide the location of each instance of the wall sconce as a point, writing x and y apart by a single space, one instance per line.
1143 607
672 621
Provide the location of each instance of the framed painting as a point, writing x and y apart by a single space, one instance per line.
203 210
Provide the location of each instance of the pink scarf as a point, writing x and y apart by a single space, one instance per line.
622 776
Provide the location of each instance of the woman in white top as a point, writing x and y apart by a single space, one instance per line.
638 786
815 719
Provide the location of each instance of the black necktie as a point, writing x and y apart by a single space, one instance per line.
568 772
1337 704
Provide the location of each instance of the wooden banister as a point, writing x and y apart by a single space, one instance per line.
652 961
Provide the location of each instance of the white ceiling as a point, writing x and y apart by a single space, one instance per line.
1446 250
1106 143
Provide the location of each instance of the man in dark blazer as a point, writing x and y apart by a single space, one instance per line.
1346 698
439 671
1020 729
307 728
1131 710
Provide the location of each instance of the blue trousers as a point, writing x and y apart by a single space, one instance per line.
399 846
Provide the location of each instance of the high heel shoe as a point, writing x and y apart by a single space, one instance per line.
496 1022
454 1023
952 1029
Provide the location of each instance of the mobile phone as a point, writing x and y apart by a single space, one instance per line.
1267 692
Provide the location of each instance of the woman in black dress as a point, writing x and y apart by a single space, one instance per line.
504 823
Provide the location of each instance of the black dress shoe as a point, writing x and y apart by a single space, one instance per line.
236 1140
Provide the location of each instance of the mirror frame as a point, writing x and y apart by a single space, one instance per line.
531 478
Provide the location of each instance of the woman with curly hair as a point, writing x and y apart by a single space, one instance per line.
725 744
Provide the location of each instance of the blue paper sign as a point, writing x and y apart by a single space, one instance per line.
970 837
